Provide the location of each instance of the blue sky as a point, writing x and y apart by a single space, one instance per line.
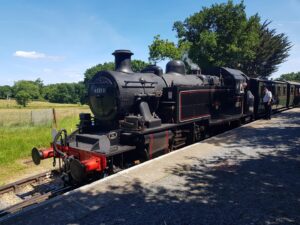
58 40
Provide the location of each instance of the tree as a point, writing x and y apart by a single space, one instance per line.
22 98
89 73
5 91
61 93
65 93
223 35
290 77
165 49
24 91
29 87
137 65
81 92
40 84
272 50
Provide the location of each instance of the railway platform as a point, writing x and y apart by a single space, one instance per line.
248 175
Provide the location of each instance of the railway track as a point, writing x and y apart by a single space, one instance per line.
32 190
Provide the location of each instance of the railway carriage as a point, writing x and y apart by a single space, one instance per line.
297 94
293 94
279 92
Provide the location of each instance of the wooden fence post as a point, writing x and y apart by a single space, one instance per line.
54 118
31 117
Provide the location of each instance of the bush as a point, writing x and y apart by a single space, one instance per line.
22 98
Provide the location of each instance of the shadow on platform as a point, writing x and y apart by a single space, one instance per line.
265 190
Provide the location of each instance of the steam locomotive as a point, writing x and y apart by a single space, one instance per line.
138 116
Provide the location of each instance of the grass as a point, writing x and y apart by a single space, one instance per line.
18 135
29 117
17 141
12 104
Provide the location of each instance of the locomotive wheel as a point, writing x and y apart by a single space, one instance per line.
235 124
145 155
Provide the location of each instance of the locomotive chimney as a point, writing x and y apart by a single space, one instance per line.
123 61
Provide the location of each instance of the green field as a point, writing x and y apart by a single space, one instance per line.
17 139
12 104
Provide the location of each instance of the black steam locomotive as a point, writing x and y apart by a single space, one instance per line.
138 116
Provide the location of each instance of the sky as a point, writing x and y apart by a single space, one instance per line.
58 40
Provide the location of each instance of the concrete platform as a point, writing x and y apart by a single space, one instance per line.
249 175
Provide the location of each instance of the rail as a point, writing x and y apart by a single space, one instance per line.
30 191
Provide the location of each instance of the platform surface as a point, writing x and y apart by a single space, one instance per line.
249 175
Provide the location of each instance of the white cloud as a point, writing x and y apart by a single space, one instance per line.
30 54
36 55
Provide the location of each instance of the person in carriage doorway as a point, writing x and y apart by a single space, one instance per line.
267 100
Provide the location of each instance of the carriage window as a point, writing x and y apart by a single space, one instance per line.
292 91
242 87
278 91
284 91
239 87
